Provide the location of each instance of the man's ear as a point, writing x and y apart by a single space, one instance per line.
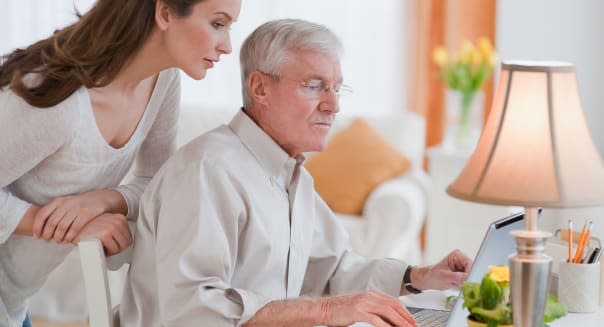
257 84
163 15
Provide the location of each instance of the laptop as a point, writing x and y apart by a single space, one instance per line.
495 249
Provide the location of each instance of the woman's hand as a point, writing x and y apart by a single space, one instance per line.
63 218
111 229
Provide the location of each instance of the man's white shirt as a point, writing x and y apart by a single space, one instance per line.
232 222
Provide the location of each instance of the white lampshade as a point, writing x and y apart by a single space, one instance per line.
535 149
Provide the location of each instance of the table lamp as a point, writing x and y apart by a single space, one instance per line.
535 151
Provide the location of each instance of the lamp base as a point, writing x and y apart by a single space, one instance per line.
529 277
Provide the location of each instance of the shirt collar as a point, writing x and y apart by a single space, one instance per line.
278 165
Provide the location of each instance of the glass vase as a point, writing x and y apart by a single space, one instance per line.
463 119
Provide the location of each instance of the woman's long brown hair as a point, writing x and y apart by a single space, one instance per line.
89 52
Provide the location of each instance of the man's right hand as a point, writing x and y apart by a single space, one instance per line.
372 307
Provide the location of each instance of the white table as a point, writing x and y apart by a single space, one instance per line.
454 223
436 300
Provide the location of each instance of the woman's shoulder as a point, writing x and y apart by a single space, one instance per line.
166 92
64 115
169 76
172 72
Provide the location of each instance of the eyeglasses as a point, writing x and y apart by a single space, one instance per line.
312 88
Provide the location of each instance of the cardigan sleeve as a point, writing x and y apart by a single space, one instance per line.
157 147
28 135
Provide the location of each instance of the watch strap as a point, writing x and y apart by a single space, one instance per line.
407 281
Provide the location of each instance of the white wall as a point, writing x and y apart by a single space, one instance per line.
568 30
373 37
26 21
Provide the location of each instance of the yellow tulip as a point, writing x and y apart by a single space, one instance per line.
492 59
440 56
467 48
476 57
469 60
499 273
485 47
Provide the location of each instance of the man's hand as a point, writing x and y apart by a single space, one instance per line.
64 217
372 307
450 272
111 229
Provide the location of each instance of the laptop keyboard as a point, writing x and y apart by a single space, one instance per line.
431 318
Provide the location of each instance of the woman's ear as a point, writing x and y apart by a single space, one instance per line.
163 15
258 86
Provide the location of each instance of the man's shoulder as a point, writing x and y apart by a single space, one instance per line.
212 153
219 148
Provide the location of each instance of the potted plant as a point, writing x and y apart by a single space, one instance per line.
489 301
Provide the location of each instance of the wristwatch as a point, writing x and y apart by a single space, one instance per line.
407 281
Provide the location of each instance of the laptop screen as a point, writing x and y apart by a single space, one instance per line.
495 249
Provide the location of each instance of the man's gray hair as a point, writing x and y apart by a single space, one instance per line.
267 48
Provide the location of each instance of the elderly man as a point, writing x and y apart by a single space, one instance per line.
231 231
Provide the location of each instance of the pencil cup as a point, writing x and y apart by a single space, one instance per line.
601 285
579 286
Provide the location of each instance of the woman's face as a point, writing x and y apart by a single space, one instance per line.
196 42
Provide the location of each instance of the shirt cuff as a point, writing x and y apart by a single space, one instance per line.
12 210
249 301
390 280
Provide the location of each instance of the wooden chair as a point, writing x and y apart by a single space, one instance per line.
94 267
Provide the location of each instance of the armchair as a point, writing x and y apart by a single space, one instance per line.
395 211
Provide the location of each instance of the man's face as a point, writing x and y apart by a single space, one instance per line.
299 110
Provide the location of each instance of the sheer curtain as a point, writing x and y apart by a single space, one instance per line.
373 35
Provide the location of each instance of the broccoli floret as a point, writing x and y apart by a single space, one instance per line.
501 314
490 292
471 295
554 309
